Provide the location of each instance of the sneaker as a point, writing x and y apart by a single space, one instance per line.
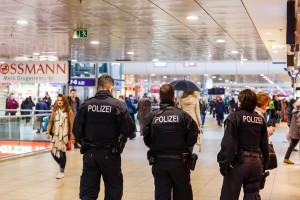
60 175
287 161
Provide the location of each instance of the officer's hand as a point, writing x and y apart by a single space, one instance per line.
48 136
224 169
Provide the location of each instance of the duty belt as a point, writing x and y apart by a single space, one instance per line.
176 157
251 154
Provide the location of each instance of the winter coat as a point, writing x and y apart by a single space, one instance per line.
295 124
190 104
220 110
130 105
26 105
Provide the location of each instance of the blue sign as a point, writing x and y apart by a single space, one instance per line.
82 82
216 91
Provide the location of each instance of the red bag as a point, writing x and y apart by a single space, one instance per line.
69 145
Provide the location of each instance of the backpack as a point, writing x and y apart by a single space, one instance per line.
271 105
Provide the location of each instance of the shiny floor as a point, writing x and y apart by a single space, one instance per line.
34 177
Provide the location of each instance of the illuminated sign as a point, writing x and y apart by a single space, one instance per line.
9 148
216 91
82 82
34 72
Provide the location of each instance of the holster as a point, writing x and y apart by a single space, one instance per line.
263 179
119 146
239 157
85 145
150 157
193 161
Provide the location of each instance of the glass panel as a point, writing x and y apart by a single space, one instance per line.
23 134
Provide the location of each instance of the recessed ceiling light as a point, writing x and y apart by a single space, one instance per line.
94 42
22 22
74 60
220 41
205 74
155 60
36 54
268 33
152 74
234 52
165 77
244 59
130 52
213 76
192 17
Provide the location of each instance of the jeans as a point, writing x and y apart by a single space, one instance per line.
293 144
202 115
61 161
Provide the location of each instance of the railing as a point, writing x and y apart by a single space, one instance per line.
19 133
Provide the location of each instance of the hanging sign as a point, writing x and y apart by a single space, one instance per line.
34 72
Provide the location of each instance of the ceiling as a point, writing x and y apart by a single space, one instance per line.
151 29
144 30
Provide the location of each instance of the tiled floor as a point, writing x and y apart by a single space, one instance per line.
34 177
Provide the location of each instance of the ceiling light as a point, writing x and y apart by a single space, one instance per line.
268 33
36 54
205 74
192 17
234 52
165 77
22 22
262 75
220 79
94 42
155 60
220 41
74 60
130 52
145 80
244 59
152 74
174 79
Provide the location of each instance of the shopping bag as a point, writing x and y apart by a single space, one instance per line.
199 139
36 124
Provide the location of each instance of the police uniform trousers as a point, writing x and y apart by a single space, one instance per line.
249 174
97 163
171 174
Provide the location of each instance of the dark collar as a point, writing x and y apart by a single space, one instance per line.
101 93
166 103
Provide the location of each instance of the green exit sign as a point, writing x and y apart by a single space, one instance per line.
82 33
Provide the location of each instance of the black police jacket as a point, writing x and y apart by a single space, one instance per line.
172 132
102 119
243 130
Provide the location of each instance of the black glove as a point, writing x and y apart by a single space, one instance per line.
224 169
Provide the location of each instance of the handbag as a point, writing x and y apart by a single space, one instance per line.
69 145
272 164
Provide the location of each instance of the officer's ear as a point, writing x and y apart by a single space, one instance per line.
111 89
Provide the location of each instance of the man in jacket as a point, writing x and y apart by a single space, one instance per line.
74 103
245 141
100 122
170 133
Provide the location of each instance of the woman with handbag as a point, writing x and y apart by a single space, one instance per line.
60 127
293 132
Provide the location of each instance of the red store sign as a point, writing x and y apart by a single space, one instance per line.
34 72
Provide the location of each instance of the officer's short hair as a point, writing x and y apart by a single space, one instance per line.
166 92
72 90
105 81
262 99
247 99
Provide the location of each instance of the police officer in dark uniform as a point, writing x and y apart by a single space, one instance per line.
244 150
99 123
170 133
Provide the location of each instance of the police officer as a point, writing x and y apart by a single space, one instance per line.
100 121
170 133
244 150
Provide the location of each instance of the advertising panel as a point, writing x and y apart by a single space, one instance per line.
34 72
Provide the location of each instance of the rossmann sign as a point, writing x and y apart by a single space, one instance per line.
34 72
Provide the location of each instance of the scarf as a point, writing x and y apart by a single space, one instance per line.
60 137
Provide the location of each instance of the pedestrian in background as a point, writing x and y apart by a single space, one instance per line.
143 107
293 132
101 121
74 103
47 99
60 127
